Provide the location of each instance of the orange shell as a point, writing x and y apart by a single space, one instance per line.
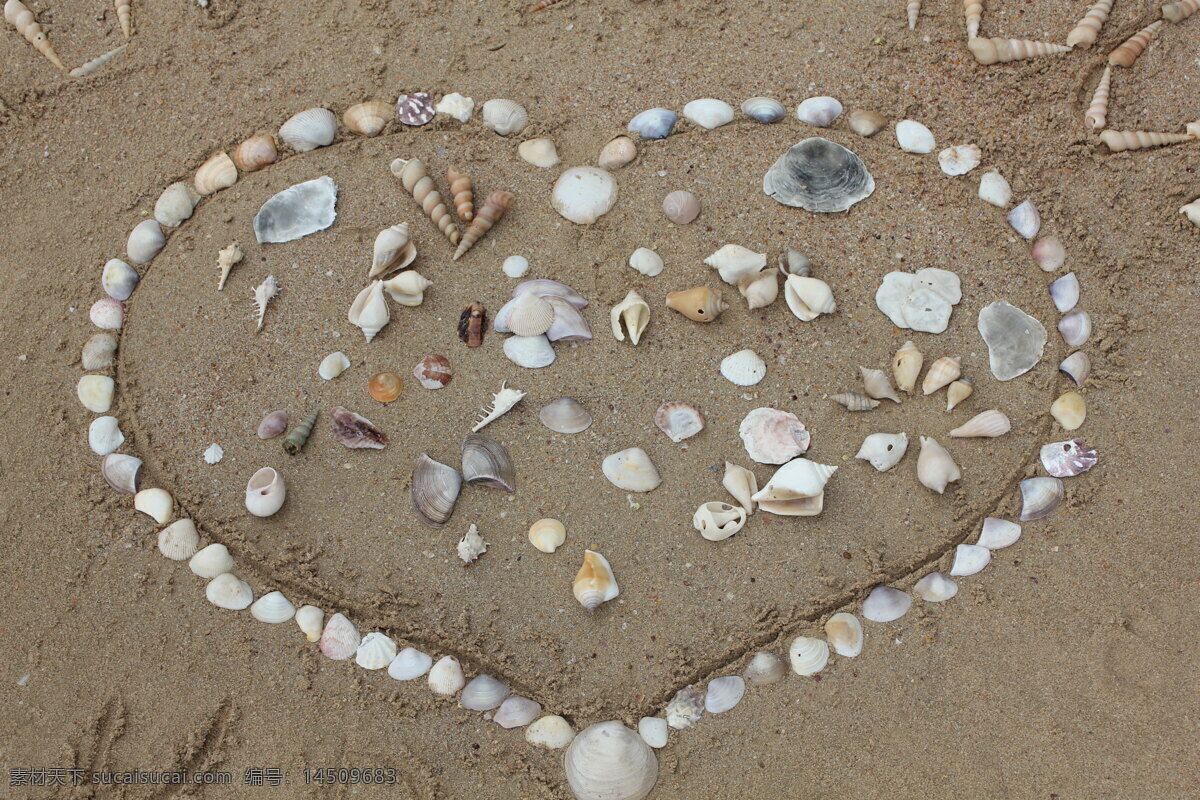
385 386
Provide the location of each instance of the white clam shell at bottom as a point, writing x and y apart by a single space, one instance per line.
608 761
584 194
227 591
531 352
273 608
885 604
844 633
551 731
517 712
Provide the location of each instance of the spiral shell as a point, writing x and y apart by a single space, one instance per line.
914 12
1087 29
1120 141
701 304
21 18
368 118
497 203
972 13
1129 50
1181 10
595 582
124 16
417 182
255 153
996 50
218 173
462 193
1097 112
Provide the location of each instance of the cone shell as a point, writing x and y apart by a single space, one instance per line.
935 468
255 153
700 304
594 583
941 373
877 385
906 366
1129 50
988 424
218 173
369 118
957 392
996 50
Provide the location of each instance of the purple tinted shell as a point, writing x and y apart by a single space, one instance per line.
1067 459
415 109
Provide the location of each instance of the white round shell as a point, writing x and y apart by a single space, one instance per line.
104 435
743 368
808 655
584 194
227 591
273 608
211 561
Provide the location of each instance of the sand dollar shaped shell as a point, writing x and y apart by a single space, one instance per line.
819 175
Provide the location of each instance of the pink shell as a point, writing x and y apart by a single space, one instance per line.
340 639
415 109
772 436
679 420
1067 459
107 314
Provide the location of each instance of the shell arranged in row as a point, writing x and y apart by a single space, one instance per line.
608 761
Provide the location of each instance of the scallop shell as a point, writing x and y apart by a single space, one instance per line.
95 393
617 153
552 732
311 622
935 468
654 731
681 207
255 153
765 668
434 490
517 712
679 420
218 173
844 633
505 117
539 152
608 761
935 588
121 472
265 492
179 541
309 129
228 592
98 351
743 368
107 314
771 436
547 535
483 693
818 175
994 189
529 315
913 137
145 241
808 655
808 298
819 112
883 450
272 608
885 604
1069 410
104 435
594 583
368 118
155 503
211 561
631 316
446 676
763 109
718 521
988 424
565 415
1069 458
1039 497
375 651
685 708
340 639
723 694
959 159
631 470
409 664
997 533
485 461
531 352
654 123
584 194
175 206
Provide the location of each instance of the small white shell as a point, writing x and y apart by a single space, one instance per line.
654 731
265 492
1049 253
988 424
1065 292
446 676
718 521
211 561
217 173
369 311
724 693
515 266
309 129
883 450
118 279
743 368
179 540
1025 219
145 241
646 261
505 117
994 189
935 468
333 365
734 262
311 622
375 651
763 109
819 111
483 693
539 152
741 483
104 435
273 608
970 559
95 392
998 533
227 591
844 633
551 731
959 159
340 639
214 454
531 352
765 668
935 588
547 535
808 655
708 113
155 503
631 470
517 712
885 604
456 106
107 314
617 153
913 137
409 664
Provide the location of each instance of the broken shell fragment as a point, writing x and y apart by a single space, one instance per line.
808 655
935 588
700 304
340 639
1015 340
959 159
547 535
356 431
617 153
265 492
820 176
434 490
630 316
760 289
456 106
472 323
1068 459
997 533
935 467
121 472
631 470
970 559
765 668
1069 410
227 258
1039 497
844 633
883 450
771 436
565 415
988 424
333 365
922 300
446 677
742 484
486 461
743 368
995 189
681 207
685 708
433 371
646 261
679 420
155 503
718 521
594 583
885 604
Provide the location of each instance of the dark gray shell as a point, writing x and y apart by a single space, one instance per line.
818 175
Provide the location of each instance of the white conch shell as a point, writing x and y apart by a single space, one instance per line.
265 492
393 250
211 561
175 205
263 294
471 546
409 664
156 504
995 189
646 261
333 365
311 621
844 633
988 424
273 608
808 655
808 298
998 533
883 450
1097 111
760 289
218 173
179 541
935 588
799 478
104 435
631 470
608 761
446 676
970 559
718 521
877 385
145 241
369 311
407 288
743 368
594 583
309 129
375 651
1088 28
741 483
551 731
733 262
885 604
505 117
935 467
631 316
229 592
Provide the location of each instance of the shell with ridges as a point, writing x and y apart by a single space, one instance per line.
1180 10
309 129
808 655
340 639
1120 141
1129 50
1088 28
820 176
529 315
272 608
743 368
107 314
446 676
368 118
988 424
679 420
218 173
98 351
855 401
375 651
505 117
255 153
493 209
942 372
996 50
179 541
1096 116
416 182
434 490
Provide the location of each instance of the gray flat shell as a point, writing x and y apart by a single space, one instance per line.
1014 339
297 211
818 175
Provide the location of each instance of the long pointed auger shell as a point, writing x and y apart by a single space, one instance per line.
124 16
1129 50
21 18
1088 28
996 50
295 439
1119 141
493 209
1181 10
972 13
487 462
462 193
1097 112
96 63
417 182
435 489
913 7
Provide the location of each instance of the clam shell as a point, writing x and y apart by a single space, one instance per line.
617 153
866 123
1069 458
446 676
724 693
1015 340
997 533
607 761
681 207
311 622
551 731
654 731
1075 327
309 129
883 450
1077 367
121 472
819 112
646 261
1069 410
118 279
175 206
1039 497
959 159
272 424
433 371
179 540
107 314
631 470
771 436
844 633
1049 254
505 117
584 194
1065 293
409 664
808 655
375 651
654 123
708 113
970 559
994 189
517 712
211 561
885 604
539 152
935 588
531 352
104 435
743 368
368 118
434 489
98 351
273 608
679 420
529 315
228 592
145 241
340 639
218 173
417 108
765 668
988 424
485 461
685 708
156 504
547 535
515 266
569 324
718 521
594 583
255 153
1025 219
818 175
565 415
763 109
913 137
